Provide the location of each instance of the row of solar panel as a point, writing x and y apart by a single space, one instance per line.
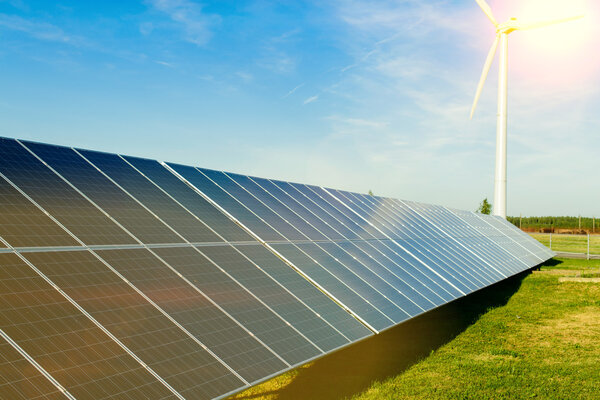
215 310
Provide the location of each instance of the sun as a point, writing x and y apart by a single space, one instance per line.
563 53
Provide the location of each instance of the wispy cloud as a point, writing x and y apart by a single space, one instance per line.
39 30
358 122
245 76
189 17
166 64
293 91
310 99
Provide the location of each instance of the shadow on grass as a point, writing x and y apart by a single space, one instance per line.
352 370
553 262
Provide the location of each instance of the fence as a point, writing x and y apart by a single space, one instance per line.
567 245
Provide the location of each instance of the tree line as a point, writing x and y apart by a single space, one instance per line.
552 223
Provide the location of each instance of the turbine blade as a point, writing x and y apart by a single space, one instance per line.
542 24
484 74
487 10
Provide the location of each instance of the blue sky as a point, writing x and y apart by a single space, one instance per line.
354 94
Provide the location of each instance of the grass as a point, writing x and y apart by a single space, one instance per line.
527 337
569 243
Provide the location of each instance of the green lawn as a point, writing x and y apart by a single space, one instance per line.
569 243
527 337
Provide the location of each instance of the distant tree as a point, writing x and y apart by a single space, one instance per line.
484 207
371 193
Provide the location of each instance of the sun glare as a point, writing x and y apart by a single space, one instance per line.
564 53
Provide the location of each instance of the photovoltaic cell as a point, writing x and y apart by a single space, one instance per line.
281 209
105 194
20 380
195 312
252 203
339 289
305 291
25 225
79 355
152 197
306 321
189 199
518 236
309 214
218 195
58 198
321 208
238 302
393 275
496 256
141 327
359 281
487 231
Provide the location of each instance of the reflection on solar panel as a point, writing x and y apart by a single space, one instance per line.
122 277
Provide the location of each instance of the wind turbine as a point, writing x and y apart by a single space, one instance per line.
502 32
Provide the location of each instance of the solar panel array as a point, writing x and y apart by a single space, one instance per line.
123 277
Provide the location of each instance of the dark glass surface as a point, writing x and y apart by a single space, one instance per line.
306 321
395 276
152 197
340 288
448 274
191 200
381 225
408 268
231 205
484 241
428 239
22 224
520 238
353 230
79 355
105 194
280 205
388 300
492 251
305 291
430 254
20 380
239 303
57 197
399 255
140 326
366 231
190 308
462 251
252 203
331 227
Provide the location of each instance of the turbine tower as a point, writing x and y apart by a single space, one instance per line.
502 32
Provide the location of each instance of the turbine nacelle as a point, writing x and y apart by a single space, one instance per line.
507 27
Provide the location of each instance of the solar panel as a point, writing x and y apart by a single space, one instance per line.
310 295
65 342
57 197
220 197
143 327
243 305
122 277
19 379
25 225
196 312
148 194
115 202
189 199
